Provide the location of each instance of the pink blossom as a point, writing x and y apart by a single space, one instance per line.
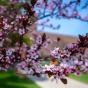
48 68
21 31
67 72
77 73
63 65
34 47
9 51
45 45
39 40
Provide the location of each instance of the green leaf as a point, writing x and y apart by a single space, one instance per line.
27 41
15 37
5 43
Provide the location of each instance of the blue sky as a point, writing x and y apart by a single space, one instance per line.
71 27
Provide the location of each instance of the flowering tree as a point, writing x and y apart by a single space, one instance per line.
15 19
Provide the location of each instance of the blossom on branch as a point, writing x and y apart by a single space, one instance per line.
25 53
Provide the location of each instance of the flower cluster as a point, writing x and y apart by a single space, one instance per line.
72 59
32 63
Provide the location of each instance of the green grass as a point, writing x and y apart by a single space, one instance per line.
11 80
83 78
45 62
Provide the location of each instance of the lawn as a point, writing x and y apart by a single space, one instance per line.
45 62
11 80
83 78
